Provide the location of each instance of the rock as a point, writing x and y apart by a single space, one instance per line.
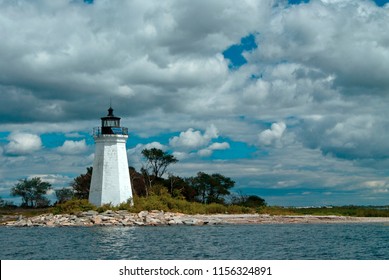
127 223
96 220
152 221
105 218
193 222
50 223
20 223
143 214
214 222
90 213
66 224
108 213
178 221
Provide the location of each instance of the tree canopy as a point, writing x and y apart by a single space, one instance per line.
32 192
64 194
211 188
157 161
248 200
81 184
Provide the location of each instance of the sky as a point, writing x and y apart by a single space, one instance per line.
287 98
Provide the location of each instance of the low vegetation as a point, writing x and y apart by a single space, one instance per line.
163 202
351 210
170 204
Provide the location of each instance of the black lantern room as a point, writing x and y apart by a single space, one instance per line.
111 124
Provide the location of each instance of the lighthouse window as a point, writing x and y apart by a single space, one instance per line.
111 123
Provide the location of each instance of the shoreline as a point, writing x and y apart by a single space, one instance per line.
160 218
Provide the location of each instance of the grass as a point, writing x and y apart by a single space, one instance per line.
352 211
169 204
27 212
154 202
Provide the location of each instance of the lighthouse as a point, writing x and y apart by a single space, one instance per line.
110 178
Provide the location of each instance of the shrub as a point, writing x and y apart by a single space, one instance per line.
105 207
236 209
73 206
214 208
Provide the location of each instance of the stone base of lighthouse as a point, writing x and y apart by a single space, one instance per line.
110 178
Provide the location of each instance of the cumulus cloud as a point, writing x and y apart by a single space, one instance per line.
273 135
56 180
321 67
213 147
23 143
356 137
135 157
344 38
192 139
168 49
73 147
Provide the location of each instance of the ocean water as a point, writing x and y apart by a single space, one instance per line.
272 242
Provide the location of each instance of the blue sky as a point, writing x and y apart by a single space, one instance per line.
287 98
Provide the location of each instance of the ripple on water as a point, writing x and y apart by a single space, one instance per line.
283 241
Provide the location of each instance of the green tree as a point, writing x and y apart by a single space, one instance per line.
32 192
157 162
211 188
248 200
138 183
64 194
179 187
6 204
81 184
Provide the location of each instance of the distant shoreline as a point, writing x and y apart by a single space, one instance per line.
160 218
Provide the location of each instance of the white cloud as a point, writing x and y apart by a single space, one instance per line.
151 145
205 152
23 143
213 147
168 75
135 157
73 147
181 155
188 139
219 146
273 135
192 139
56 180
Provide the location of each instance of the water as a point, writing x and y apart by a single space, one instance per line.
275 242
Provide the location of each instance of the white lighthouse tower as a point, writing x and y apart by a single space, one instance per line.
110 178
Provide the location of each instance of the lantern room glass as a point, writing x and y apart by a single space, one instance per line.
111 123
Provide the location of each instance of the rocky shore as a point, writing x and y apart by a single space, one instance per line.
160 218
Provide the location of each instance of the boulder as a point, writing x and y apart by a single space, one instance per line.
49 223
152 221
90 213
96 220
143 214
193 222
